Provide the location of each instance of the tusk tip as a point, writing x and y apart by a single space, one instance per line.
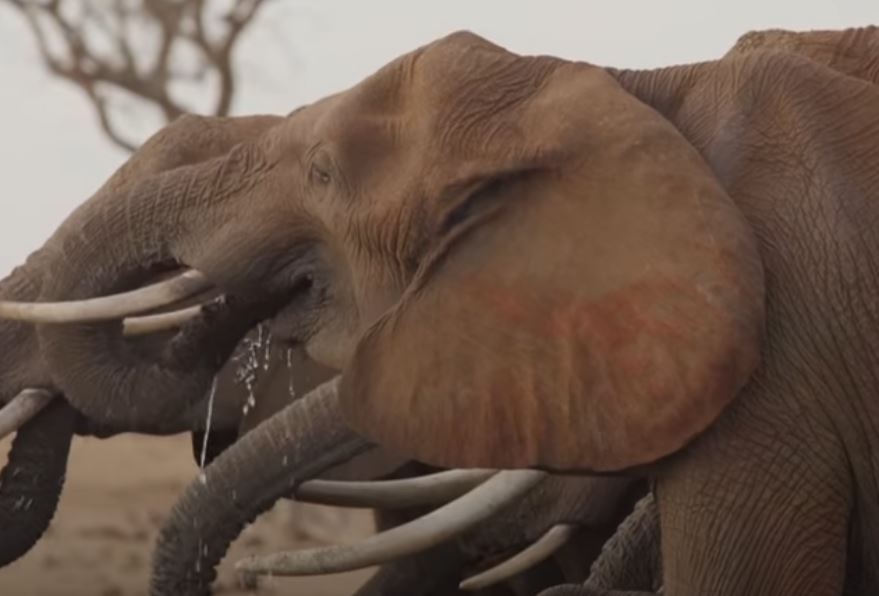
468 585
251 567
544 547
143 325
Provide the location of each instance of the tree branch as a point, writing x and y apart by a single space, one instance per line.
69 43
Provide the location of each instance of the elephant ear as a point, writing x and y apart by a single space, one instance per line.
593 307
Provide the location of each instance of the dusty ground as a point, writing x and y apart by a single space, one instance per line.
117 494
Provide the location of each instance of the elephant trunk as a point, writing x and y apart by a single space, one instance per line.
31 481
118 240
298 443
632 558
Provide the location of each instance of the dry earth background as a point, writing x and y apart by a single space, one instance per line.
119 490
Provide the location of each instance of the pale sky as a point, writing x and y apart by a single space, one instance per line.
53 156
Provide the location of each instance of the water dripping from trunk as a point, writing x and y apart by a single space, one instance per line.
207 432
248 360
267 353
291 390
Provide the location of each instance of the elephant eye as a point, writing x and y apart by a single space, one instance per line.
320 175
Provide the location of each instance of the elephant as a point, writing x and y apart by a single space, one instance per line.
124 411
848 52
36 468
631 561
703 103
689 306
37 462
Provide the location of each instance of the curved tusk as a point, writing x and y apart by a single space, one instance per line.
132 326
543 548
420 534
107 308
22 408
431 489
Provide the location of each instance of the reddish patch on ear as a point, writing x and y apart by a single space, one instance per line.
556 379
630 345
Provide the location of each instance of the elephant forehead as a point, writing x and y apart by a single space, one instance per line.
460 76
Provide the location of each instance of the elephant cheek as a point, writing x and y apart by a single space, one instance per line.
338 328
332 346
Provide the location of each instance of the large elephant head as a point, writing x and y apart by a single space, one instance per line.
456 232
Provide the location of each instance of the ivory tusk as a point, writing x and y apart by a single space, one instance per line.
544 547
22 408
108 308
431 489
427 531
133 326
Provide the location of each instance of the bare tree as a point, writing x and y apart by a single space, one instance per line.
146 50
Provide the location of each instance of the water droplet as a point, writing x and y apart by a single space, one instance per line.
267 355
207 427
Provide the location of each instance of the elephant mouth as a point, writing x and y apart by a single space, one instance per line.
290 314
294 323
